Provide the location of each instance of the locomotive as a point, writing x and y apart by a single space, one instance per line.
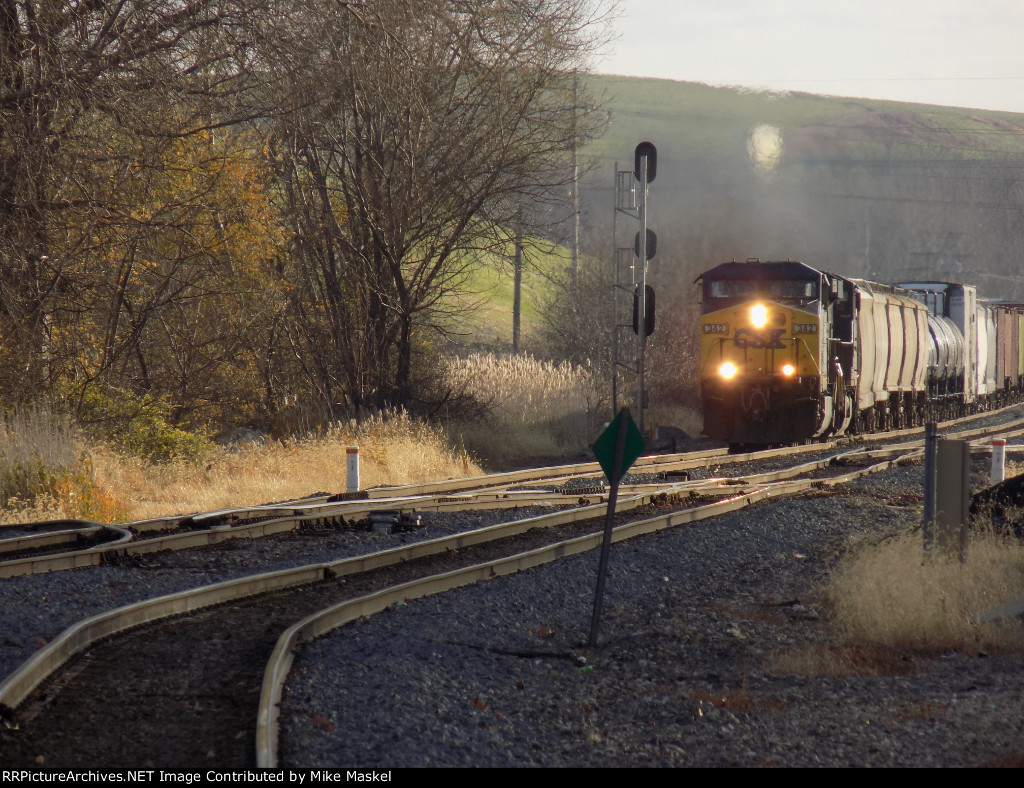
792 354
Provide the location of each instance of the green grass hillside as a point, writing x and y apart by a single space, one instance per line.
483 315
683 116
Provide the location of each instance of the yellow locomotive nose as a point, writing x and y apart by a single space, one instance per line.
759 316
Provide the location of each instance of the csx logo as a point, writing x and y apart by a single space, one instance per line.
772 338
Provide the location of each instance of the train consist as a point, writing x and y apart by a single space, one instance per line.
790 353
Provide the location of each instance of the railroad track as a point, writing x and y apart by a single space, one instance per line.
242 630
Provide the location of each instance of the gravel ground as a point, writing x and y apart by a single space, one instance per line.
686 672
36 608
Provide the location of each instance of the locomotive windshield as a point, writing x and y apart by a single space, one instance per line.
775 289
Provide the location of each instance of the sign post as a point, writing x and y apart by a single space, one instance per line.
952 497
616 450
931 437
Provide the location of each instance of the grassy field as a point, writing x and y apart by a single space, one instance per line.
682 117
693 123
489 325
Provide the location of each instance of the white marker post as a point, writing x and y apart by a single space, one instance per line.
352 459
998 460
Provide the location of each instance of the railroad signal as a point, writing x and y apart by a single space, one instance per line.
648 310
652 244
646 149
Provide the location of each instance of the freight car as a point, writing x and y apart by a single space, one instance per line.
791 354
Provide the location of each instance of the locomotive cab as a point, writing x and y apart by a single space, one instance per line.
765 351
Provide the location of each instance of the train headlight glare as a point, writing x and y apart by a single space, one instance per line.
727 370
759 316
788 370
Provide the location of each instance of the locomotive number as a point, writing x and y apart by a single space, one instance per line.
716 328
759 339
805 328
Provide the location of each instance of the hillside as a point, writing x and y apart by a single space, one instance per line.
878 189
873 188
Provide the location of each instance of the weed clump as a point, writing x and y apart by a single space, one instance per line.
45 474
887 594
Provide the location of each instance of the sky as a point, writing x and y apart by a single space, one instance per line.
963 53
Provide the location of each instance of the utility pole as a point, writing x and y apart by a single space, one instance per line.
517 285
575 186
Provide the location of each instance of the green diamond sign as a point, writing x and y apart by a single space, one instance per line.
632 447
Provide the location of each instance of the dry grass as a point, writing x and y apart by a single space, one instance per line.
887 594
892 608
393 450
45 474
535 408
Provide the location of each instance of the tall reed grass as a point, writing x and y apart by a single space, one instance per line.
534 408
45 473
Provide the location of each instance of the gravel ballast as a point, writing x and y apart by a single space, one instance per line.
34 609
685 672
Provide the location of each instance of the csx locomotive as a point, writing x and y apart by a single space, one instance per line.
790 353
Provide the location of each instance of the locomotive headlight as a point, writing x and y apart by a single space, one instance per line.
788 370
759 316
728 370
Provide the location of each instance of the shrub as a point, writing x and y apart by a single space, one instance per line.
140 426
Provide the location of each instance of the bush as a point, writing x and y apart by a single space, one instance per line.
140 426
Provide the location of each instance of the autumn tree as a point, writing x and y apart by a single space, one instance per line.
414 131
76 77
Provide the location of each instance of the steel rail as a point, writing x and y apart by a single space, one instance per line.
293 515
16 687
216 534
51 538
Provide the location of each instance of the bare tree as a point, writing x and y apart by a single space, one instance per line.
416 130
